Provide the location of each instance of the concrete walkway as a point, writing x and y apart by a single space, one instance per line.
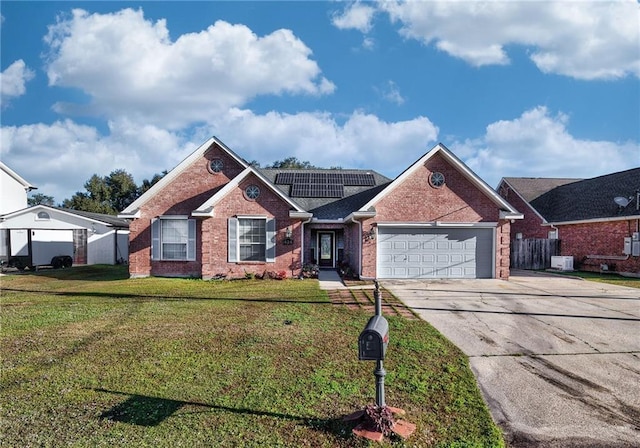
330 280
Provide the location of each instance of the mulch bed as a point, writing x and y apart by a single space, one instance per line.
363 299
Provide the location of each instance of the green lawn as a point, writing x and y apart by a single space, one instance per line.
92 358
613 279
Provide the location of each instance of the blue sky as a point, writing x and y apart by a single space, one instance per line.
531 88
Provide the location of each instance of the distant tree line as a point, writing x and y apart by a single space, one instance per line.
113 193
108 194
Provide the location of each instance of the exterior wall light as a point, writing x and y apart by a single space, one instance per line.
288 237
370 235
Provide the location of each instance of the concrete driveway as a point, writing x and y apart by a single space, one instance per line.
557 359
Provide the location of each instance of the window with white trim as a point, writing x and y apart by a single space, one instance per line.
251 239
173 238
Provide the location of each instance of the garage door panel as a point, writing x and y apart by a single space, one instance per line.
435 252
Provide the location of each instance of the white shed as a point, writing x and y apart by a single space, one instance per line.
39 231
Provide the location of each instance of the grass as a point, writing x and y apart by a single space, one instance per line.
92 358
613 279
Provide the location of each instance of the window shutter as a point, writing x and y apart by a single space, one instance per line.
155 239
233 240
271 240
191 241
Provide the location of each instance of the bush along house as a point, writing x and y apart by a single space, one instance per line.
215 216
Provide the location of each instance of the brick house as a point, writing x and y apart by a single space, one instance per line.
599 231
214 216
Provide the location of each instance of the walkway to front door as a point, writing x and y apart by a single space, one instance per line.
361 296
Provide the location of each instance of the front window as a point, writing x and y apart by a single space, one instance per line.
175 234
173 238
252 239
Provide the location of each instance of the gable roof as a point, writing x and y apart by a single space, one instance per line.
350 198
207 208
508 212
133 210
591 199
27 186
108 220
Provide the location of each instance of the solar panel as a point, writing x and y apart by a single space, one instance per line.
317 190
358 179
350 179
309 184
285 178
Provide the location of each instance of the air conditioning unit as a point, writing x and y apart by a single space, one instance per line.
562 263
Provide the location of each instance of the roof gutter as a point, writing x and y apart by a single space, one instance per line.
593 220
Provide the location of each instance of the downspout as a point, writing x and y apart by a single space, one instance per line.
359 223
302 223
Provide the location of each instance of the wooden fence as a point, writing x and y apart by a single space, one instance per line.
533 253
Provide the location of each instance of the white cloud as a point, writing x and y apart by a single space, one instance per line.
361 141
581 39
356 16
13 80
538 144
127 63
391 93
59 158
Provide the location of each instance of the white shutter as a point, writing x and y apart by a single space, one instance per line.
271 240
233 240
155 239
191 241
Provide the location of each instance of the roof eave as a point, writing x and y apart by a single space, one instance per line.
357 215
593 220
295 214
504 214
133 214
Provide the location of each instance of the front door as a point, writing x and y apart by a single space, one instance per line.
325 252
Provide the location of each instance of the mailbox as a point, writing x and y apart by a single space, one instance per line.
373 341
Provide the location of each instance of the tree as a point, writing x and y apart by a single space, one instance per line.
146 183
40 199
107 195
123 190
292 162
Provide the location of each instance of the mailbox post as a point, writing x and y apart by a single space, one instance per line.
372 345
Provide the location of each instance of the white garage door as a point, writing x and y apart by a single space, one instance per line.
435 252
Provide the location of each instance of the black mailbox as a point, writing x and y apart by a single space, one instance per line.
373 341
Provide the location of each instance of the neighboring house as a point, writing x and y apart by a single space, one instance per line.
599 231
214 215
36 234
13 190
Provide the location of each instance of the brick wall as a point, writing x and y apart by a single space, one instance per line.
459 201
599 238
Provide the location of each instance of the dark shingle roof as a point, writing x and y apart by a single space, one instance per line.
110 220
590 198
331 208
531 188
